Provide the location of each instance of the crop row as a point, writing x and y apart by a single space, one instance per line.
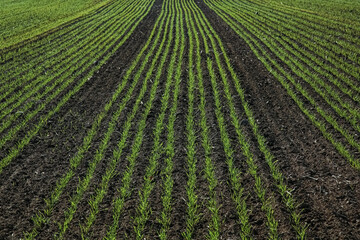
174 71
310 69
42 89
156 72
17 53
218 49
309 59
136 70
157 63
213 205
212 43
42 59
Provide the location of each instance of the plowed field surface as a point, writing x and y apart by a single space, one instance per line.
182 119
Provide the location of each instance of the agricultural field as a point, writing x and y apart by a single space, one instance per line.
180 119
21 20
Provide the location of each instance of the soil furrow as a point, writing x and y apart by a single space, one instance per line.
134 151
322 180
24 183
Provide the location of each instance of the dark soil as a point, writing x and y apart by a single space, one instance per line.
30 178
324 184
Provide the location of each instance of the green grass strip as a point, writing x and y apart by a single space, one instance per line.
69 74
56 68
38 24
66 28
53 45
43 119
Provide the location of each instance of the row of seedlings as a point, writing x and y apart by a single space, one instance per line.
105 50
42 216
260 189
321 118
143 210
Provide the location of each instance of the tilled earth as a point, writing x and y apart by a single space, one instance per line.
323 183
